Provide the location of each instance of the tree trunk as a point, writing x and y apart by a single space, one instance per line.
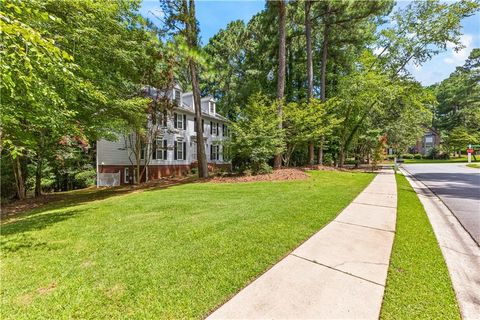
308 39
323 75
281 72
320 151
38 177
20 182
193 44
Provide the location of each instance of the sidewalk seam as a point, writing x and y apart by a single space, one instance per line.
329 267
359 225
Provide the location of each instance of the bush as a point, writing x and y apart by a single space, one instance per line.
328 159
85 178
194 171
263 168
417 156
391 156
407 156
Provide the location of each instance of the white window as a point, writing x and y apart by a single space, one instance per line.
180 121
142 152
126 175
428 139
212 107
176 97
180 151
159 149
214 152
194 150
213 128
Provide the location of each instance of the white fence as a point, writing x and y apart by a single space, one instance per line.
108 179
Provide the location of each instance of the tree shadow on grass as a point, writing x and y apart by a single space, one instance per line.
30 207
37 222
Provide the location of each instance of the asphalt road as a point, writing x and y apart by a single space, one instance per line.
457 186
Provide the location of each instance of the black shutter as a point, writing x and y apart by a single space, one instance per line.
223 129
164 149
211 152
184 151
175 120
218 133
184 122
211 127
203 125
175 150
154 149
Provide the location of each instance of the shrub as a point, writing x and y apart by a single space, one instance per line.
263 168
407 156
328 159
391 156
85 178
194 171
417 156
256 136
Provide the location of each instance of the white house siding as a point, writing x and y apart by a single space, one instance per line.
112 156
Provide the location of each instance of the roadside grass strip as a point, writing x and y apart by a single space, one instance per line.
418 283
172 253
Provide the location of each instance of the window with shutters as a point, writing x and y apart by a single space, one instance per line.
180 121
180 150
142 152
213 128
160 149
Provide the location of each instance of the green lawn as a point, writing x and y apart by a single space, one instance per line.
474 165
451 160
418 284
172 253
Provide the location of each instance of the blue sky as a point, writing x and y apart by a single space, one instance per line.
215 15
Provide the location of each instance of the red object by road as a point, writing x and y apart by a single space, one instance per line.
469 150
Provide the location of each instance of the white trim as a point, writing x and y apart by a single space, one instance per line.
125 175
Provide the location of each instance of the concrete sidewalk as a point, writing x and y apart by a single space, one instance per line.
340 272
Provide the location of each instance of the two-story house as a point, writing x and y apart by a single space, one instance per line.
174 147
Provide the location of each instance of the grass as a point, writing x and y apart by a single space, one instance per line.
418 283
178 252
451 160
474 165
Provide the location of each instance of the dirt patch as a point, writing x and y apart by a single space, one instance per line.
47 290
276 175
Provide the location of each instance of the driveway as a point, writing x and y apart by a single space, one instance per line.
458 187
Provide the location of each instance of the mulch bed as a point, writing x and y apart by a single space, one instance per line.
277 175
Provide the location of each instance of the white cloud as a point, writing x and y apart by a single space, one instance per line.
458 57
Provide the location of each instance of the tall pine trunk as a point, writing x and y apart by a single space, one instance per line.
308 38
192 33
323 75
281 72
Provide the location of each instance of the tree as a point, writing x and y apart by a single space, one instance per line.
180 16
459 97
281 72
256 135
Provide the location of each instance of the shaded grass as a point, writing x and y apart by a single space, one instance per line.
418 283
170 253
